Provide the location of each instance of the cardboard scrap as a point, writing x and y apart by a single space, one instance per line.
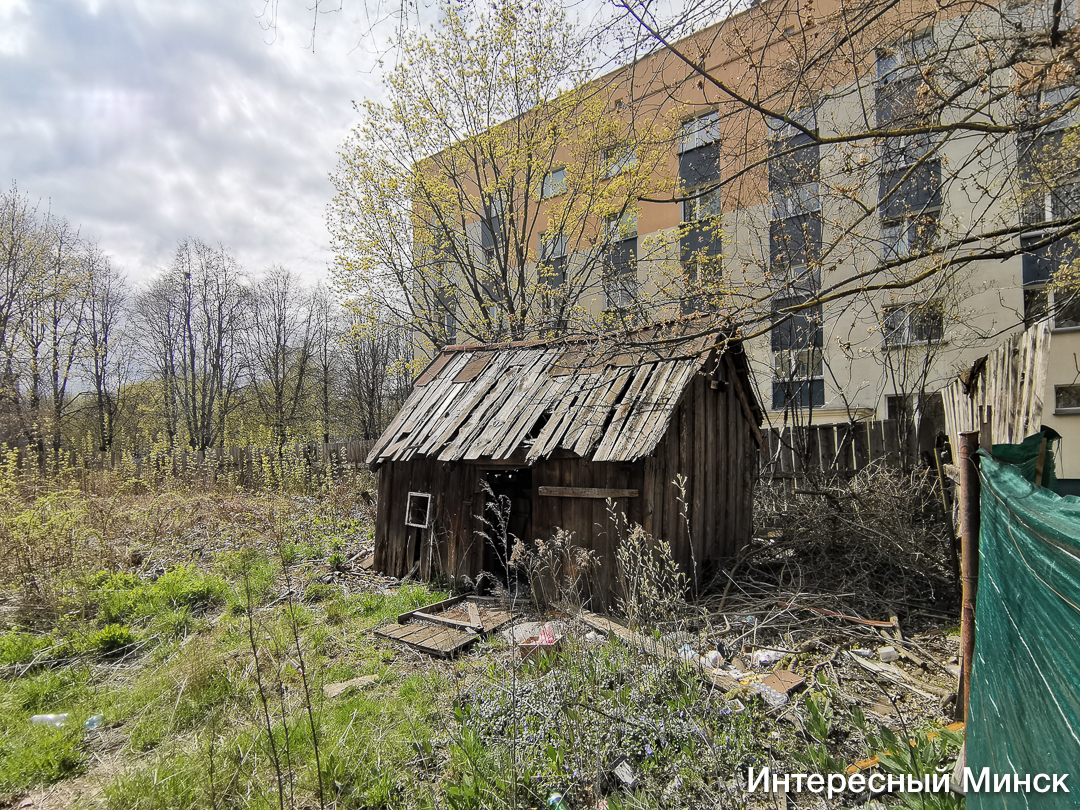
332 690
784 681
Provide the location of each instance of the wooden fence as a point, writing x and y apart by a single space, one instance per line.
248 466
1004 388
793 454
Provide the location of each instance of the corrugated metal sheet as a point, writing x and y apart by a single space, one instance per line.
491 401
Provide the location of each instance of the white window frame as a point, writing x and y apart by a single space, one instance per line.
901 59
700 131
1067 410
888 335
552 187
703 205
787 364
795 201
427 510
618 159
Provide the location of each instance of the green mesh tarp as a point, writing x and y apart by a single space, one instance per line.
1024 711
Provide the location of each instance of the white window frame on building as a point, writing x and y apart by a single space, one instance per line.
700 131
554 184
618 159
909 324
1066 400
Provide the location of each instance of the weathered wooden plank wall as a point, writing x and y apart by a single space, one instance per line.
1010 380
795 454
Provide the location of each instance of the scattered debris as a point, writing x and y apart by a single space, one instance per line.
624 772
888 654
332 690
55 720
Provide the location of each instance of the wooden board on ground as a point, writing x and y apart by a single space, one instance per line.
446 628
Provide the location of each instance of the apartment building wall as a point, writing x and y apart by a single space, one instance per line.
865 370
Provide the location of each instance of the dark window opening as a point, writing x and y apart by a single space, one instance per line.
507 518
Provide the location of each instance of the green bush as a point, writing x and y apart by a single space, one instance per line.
21 648
111 639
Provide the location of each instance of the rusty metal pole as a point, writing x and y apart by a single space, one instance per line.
969 560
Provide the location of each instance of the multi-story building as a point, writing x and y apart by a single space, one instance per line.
877 194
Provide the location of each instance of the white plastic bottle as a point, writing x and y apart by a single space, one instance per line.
56 720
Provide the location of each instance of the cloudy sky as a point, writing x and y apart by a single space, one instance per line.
145 121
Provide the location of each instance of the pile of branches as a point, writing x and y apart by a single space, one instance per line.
878 541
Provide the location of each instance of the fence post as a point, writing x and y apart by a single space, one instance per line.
970 491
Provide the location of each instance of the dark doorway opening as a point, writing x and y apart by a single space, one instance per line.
508 517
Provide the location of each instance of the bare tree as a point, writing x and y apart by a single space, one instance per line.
280 344
192 316
107 362
376 376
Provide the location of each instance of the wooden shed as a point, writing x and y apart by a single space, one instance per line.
558 428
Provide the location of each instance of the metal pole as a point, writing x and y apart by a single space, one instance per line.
969 560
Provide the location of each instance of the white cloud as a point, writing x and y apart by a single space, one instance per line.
145 122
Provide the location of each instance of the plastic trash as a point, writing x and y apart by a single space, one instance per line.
547 634
557 802
772 697
887 654
714 659
686 653
55 720
95 721
763 658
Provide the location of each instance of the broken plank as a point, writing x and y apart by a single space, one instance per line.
587 492
428 617
434 606
474 615
901 678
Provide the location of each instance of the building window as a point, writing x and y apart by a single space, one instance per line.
554 184
552 264
908 235
1050 193
903 59
794 201
618 159
1040 303
913 324
702 205
1066 399
700 131
797 339
620 261
795 229
445 312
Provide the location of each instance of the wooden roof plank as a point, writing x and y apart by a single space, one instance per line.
538 400
645 403
418 403
549 437
473 395
642 375
594 413
594 428
509 414
654 428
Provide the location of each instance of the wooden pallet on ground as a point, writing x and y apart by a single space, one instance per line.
448 627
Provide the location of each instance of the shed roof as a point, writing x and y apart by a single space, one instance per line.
488 401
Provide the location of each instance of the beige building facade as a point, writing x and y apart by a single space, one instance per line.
877 241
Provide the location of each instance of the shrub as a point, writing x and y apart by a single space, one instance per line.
111 639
